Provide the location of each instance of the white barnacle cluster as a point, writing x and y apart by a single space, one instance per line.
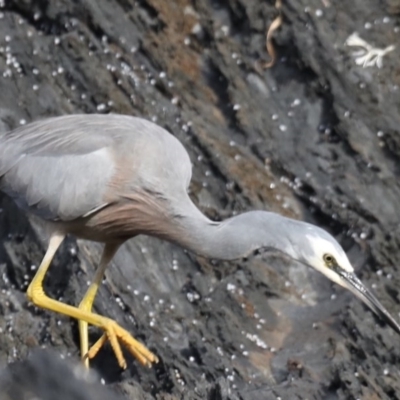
367 55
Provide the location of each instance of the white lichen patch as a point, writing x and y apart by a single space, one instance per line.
367 56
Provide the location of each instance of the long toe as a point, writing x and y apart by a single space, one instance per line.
137 349
141 352
116 335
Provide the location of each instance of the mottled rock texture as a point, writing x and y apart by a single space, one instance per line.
316 137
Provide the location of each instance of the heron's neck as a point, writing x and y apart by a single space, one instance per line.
234 238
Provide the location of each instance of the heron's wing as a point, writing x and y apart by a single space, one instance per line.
57 168
61 168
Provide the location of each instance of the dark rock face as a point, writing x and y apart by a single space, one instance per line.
316 138
45 376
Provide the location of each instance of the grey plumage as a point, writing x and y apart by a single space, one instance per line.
60 168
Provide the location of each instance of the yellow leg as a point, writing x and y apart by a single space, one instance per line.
112 331
88 299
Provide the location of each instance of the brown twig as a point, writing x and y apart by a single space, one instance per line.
276 23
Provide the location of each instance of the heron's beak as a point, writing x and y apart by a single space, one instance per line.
351 282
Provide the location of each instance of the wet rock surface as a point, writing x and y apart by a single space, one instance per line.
315 137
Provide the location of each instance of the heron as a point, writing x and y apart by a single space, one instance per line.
109 178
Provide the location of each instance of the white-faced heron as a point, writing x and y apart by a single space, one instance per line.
109 178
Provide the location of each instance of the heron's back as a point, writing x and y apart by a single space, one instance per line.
66 167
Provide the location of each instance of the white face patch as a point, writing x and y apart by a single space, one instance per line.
322 246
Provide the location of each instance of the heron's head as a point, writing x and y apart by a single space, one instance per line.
321 251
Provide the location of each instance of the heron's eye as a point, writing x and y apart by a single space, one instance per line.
329 259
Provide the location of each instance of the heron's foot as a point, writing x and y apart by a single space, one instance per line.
116 335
